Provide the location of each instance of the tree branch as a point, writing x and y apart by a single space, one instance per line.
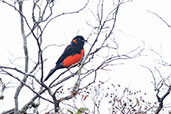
161 99
20 3
160 18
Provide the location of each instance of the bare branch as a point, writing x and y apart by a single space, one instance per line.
26 57
160 18
158 87
161 99
26 85
62 14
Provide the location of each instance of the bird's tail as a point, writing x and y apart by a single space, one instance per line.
50 73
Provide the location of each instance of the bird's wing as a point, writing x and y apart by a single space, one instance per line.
69 50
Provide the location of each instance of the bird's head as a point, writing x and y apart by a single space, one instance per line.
78 40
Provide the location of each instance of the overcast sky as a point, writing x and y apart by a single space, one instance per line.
135 26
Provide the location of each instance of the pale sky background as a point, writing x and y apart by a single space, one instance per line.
135 25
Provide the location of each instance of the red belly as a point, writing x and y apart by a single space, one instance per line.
73 59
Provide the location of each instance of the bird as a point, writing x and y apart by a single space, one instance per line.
71 56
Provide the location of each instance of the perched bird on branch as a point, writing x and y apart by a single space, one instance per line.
71 56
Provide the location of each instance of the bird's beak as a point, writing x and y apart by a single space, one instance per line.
85 40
